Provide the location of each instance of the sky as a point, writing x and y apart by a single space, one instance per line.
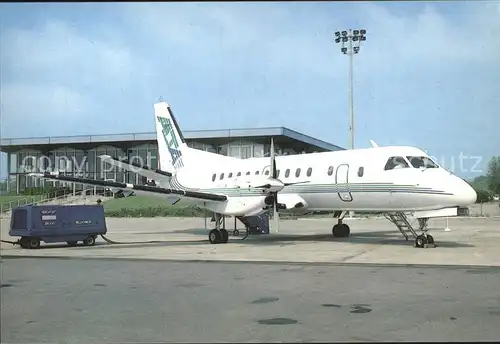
428 74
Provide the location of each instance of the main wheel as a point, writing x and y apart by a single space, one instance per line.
236 232
224 236
346 230
214 236
341 230
430 239
89 241
420 241
334 230
34 243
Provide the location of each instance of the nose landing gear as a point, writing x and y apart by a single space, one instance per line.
423 240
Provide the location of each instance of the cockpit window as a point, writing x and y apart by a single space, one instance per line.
396 162
422 162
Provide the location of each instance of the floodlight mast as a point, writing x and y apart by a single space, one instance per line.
354 39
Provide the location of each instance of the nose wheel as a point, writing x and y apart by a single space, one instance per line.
423 240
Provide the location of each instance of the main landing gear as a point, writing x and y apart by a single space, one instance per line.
341 230
219 235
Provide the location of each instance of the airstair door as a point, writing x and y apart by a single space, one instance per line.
342 181
266 169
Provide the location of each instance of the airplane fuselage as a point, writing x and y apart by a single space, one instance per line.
340 180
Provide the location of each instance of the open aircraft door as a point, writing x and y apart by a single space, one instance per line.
342 181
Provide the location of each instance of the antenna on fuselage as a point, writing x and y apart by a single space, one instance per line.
374 144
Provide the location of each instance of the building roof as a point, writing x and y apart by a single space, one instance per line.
15 144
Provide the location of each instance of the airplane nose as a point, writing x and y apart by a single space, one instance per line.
465 194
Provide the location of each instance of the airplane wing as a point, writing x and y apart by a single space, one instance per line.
158 175
138 189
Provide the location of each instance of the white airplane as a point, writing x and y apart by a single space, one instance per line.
390 180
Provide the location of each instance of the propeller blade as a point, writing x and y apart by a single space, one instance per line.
276 221
273 160
293 183
276 213
275 194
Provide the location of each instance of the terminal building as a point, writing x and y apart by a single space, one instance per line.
78 155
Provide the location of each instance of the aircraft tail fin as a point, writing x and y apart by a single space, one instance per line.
173 151
171 143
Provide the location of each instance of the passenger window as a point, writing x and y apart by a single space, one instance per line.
361 171
287 173
297 173
230 175
239 174
330 170
396 162
421 161
256 173
266 173
248 173
221 176
213 177
309 171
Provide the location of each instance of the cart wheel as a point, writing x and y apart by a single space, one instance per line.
72 243
236 232
89 241
24 242
34 243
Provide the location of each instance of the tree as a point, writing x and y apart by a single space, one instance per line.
494 175
479 183
483 196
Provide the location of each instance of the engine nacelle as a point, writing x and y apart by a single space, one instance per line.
292 202
241 206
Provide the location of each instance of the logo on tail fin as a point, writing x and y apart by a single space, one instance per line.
171 140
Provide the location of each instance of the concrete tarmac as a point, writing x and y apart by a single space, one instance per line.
110 301
471 241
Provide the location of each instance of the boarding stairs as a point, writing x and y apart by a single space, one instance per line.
256 224
402 222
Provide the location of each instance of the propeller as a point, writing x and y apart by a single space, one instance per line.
274 176
275 185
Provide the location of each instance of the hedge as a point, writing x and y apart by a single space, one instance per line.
156 212
162 211
50 191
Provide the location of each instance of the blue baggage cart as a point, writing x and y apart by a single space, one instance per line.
57 223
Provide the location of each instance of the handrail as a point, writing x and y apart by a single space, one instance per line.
36 199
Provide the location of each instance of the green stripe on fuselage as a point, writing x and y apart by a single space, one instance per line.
309 188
